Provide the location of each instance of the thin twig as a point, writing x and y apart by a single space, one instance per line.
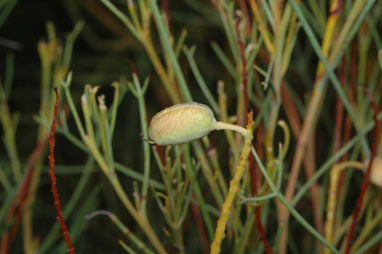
199 225
57 204
20 199
233 189
366 178
252 172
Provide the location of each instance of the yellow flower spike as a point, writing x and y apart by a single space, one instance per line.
182 123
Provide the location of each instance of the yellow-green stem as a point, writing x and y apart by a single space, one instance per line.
166 80
275 107
232 127
308 128
138 217
233 189
224 117
178 239
366 230
332 193
208 173
262 27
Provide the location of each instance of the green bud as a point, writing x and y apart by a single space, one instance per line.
181 123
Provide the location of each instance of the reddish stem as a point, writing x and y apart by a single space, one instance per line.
161 154
20 199
244 62
133 67
53 178
4 241
348 121
259 225
339 111
244 10
199 224
365 182
167 13
338 8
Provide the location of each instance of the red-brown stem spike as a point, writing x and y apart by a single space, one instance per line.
338 8
60 217
366 178
19 200
244 67
348 122
165 9
199 225
133 67
339 110
339 113
248 109
244 10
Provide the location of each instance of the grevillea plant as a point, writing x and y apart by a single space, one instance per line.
229 127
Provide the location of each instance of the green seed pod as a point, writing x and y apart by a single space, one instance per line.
181 123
